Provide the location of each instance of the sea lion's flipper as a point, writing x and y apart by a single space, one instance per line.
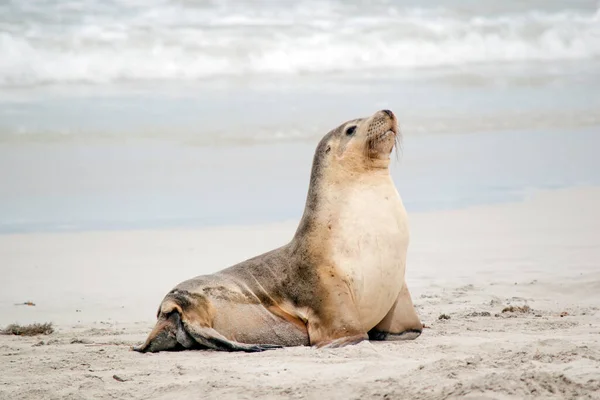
180 328
210 338
335 322
343 341
168 334
401 322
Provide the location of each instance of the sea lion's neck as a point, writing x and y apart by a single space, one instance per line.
313 199
327 190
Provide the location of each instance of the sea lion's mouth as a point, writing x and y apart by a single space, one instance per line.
381 144
387 133
383 136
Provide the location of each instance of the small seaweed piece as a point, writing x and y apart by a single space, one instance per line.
28 330
479 314
517 309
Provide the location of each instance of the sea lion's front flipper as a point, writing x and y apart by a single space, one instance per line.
401 322
334 321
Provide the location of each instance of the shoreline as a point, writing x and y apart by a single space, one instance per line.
196 226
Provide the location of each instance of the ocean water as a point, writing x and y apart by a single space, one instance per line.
125 114
100 41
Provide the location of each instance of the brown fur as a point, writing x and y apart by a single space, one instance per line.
293 295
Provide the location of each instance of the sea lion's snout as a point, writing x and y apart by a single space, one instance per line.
389 113
382 134
388 118
381 122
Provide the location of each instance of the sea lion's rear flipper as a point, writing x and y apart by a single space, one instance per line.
183 326
401 322
210 338
168 334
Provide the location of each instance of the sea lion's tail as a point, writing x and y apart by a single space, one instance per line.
180 329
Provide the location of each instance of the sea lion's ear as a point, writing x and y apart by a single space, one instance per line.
328 149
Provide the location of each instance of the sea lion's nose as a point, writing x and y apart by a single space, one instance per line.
389 113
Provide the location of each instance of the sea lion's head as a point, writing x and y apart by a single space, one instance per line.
355 150
362 144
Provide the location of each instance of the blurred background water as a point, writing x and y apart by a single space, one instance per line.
141 114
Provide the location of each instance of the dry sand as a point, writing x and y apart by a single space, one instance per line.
101 289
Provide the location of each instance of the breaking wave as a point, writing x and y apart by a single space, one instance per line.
51 42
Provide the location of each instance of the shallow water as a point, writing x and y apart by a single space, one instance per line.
165 184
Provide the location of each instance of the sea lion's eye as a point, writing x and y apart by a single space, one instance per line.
350 131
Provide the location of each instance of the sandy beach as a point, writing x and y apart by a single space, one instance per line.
101 290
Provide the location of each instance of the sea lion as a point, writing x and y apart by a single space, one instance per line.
339 281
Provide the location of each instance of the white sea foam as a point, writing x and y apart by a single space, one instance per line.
98 41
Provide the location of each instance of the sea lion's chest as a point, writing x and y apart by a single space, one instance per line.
369 244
